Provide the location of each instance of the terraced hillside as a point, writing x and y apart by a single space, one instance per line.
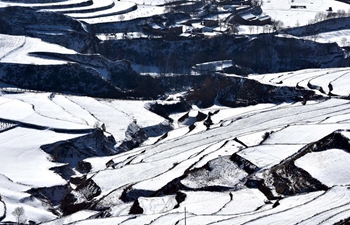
174 112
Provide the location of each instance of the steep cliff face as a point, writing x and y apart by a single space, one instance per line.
172 56
236 91
268 54
261 54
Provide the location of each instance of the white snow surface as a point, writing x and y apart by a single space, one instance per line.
336 78
268 155
141 12
47 4
157 204
330 166
80 215
18 48
152 166
281 10
22 159
117 114
119 8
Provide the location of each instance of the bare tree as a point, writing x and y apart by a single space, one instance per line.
341 13
277 25
320 16
18 213
234 28
251 29
264 29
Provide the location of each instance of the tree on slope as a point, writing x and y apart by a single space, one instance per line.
18 213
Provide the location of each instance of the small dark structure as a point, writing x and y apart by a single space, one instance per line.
234 2
210 23
298 7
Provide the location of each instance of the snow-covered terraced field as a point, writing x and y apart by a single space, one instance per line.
297 209
14 195
81 215
269 155
24 162
142 11
63 4
70 112
117 115
330 166
117 8
198 160
95 6
94 12
149 169
340 37
331 81
18 49
9 44
304 10
269 163
32 120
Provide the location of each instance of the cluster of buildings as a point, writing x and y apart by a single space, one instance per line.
218 16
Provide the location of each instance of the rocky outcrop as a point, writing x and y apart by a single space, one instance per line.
343 222
136 208
243 163
52 196
75 150
288 179
165 109
81 197
134 137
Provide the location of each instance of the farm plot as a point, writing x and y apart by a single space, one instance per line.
23 46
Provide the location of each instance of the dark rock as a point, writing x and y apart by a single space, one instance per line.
84 167
245 164
165 110
86 191
136 208
50 195
75 150
180 197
